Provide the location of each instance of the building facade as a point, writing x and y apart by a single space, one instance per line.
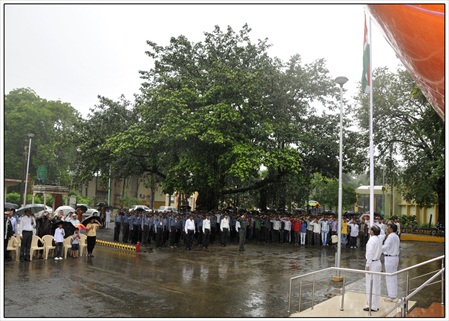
389 202
135 188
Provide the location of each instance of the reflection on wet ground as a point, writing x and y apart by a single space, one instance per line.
218 282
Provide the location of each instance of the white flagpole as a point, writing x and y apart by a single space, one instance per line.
371 137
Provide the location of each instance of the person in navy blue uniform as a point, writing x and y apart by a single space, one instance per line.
125 223
173 225
159 230
118 224
146 219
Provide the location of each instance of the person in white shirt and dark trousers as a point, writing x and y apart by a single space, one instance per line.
190 231
59 241
206 231
224 228
27 224
391 260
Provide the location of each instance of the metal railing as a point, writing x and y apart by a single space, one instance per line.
402 303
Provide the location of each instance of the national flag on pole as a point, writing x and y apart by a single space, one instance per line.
366 76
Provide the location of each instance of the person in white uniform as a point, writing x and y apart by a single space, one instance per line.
391 261
372 255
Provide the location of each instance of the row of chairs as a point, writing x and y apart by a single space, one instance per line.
47 245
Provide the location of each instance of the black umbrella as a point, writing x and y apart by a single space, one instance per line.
88 219
101 204
82 207
68 227
10 206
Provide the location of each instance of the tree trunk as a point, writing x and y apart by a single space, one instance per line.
207 200
263 199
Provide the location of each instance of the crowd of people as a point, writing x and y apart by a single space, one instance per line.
169 229
201 228
27 225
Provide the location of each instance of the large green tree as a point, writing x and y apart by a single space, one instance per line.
409 138
51 122
212 114
326 192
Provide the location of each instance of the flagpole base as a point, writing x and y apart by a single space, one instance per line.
337 278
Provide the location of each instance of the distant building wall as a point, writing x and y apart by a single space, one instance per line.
132 187
390 202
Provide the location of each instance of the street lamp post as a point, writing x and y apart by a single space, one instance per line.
341 81
30 135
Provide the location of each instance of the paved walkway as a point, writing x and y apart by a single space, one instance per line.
173 283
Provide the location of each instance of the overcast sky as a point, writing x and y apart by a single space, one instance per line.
74 53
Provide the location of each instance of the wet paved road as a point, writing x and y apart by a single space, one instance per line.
176 283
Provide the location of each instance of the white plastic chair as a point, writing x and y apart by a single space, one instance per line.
48 244
83 243
35 245
14 246
67 245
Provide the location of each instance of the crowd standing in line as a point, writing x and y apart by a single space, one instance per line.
203 228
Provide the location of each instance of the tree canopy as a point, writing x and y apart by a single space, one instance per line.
51 122
409 137
211 114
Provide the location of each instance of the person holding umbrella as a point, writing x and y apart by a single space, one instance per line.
91 229
43 227
79 212
27 224
8 233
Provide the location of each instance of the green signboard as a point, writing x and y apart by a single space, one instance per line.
42 173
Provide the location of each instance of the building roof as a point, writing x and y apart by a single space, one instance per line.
364 189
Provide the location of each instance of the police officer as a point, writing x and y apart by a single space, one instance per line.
118 224
159 230
242 231
125 223
173 225
146 228
137 227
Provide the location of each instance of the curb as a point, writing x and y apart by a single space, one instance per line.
132 248
421 238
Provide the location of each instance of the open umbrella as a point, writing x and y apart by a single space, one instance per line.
10 206
66 209
313 203
34 208
68 227
82 207
88 219
101 204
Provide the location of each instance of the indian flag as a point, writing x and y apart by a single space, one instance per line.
366 76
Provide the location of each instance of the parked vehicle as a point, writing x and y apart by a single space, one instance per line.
141 207
438 229
165 209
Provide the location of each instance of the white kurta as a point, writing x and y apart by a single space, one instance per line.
391 257
372 255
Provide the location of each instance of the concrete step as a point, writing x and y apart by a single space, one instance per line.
354 303
435 310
